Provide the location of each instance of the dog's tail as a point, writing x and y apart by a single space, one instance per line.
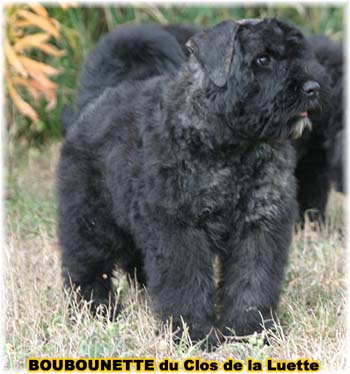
127 53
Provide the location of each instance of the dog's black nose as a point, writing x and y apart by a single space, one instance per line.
311 88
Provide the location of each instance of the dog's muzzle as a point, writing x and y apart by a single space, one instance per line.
310 90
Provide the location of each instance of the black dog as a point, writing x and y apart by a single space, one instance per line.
161 174
320 151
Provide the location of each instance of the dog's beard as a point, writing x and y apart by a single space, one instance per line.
299 126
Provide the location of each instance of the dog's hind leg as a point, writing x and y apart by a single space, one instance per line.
89 238
88 259
90 255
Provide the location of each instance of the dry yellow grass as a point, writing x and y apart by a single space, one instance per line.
311 312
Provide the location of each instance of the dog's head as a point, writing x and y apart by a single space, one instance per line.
263 78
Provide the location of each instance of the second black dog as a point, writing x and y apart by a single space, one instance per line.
321 151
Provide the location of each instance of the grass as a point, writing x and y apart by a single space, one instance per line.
311 312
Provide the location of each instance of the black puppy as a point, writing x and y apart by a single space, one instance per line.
320 151
162 174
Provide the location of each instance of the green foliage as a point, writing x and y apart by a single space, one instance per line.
82 26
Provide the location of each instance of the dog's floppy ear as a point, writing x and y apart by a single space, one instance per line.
213 48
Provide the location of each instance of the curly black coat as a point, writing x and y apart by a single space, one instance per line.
160 172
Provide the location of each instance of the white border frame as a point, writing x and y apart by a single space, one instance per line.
344 3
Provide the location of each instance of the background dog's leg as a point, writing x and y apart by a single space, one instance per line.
313 185
179 274
251 279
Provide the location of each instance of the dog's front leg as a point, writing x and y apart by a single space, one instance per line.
251 279
179 274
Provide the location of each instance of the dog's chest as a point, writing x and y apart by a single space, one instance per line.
242 190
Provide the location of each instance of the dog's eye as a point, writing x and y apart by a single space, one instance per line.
263 60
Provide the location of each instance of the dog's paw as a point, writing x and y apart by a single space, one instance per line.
205 339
